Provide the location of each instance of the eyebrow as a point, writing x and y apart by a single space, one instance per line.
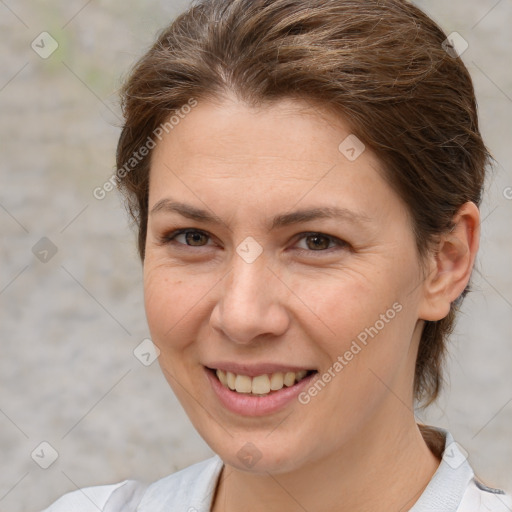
279 221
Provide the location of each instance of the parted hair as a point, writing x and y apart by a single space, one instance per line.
382 65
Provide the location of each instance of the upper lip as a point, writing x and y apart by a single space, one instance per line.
253 370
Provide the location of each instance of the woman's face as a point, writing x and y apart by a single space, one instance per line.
296 256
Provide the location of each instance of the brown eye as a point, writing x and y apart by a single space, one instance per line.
196 238
187 237
317 242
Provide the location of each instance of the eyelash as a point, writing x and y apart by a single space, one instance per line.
169 238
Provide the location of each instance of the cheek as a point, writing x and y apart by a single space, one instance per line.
369 360
361 316
339 306
173 302
167 299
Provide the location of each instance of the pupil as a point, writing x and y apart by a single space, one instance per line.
317 242
194 238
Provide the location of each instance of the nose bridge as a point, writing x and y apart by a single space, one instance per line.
249 304
243 289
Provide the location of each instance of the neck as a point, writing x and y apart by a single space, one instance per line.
383 469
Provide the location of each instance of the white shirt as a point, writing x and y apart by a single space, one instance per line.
453 488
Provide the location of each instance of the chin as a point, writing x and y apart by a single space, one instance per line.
257 453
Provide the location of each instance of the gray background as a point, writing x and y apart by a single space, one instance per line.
69 326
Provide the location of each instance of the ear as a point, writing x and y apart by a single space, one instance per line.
450 264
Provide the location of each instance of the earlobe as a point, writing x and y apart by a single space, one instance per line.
451 264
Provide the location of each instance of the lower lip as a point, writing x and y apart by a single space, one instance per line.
253 405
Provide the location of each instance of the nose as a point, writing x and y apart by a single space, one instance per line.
251 303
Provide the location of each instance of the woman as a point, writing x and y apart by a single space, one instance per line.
305 177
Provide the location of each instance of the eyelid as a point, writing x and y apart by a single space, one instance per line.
170 237
337 241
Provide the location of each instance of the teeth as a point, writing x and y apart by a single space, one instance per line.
243 384
261 384
276 381
289 379
230 377
300 375
222 377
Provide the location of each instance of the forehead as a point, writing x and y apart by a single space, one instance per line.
230 132
288 152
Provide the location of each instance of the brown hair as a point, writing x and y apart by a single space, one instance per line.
379 64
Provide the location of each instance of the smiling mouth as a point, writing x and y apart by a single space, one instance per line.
260 385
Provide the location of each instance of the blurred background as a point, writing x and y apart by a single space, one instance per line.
71 308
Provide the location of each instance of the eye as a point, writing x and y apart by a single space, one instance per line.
311 242
190 237
318 242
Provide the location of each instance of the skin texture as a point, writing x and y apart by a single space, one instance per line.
356 445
